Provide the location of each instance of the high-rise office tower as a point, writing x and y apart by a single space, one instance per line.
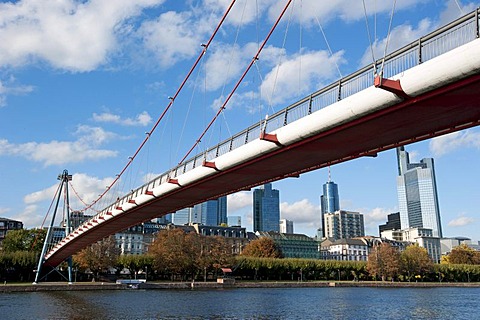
211 212
417 194
329 201
266 209
181 217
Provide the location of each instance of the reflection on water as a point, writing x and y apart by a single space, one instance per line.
284 303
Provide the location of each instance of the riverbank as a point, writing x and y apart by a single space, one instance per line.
84 286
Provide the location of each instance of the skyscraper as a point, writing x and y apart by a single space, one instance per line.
266 209
329 201
211 212
417 194
181 217
286 226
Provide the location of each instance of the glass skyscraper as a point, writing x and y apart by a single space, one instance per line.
329 202
211 212
266 209
417 194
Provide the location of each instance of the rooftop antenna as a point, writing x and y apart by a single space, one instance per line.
329 175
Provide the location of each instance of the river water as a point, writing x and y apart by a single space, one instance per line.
255 303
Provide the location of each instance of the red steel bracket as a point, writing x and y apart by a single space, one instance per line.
392 86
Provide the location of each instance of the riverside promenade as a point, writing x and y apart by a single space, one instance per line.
84 286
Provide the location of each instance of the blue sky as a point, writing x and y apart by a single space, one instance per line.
82 81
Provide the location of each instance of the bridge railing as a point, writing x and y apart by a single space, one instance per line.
449 37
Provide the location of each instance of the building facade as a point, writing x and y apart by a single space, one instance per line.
266 209
286 226
211 212
181 217
422 236
343 224
393 223
417 194
7 225
293 245
347 250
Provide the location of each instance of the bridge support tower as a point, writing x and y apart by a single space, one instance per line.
62 189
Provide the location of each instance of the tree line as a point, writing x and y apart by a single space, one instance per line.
178 256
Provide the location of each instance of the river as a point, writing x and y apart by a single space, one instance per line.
246 303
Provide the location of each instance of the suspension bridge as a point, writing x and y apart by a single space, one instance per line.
426 89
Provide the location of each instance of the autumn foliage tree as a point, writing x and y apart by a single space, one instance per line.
384 262
176 252
262 248
99 256
463 254
415 262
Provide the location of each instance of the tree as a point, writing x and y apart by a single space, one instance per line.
135 263
177 252
24 240
463 254
415 262
99 256
384 262
263 248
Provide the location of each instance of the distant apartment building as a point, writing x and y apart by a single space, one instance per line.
266 209
343 224
7 225
286 226
347 250
353 250
417 194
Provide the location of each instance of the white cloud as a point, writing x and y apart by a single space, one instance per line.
10 87
226 63
448 143
461 221
4 210
172 37
31 217
239 200
399 37
67 34
300 74
347 10
63 152
303 213
142 119
375 217
243 12
454 9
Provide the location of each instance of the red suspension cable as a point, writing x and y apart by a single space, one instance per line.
172 99
255 58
